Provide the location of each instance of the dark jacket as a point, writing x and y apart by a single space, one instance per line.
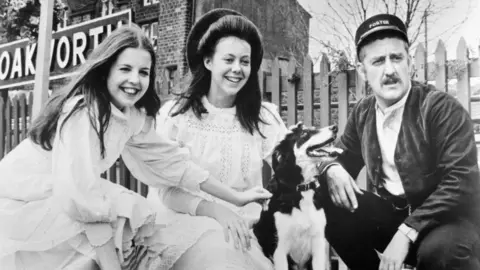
435 155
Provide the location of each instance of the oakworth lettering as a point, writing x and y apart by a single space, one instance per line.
69 48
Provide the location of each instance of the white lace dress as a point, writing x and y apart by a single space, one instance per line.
54 207
232 156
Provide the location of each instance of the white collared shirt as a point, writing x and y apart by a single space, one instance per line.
389 122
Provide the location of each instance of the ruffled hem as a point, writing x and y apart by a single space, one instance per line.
135 231
180 235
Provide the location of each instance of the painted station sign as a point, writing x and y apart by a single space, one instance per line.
69 48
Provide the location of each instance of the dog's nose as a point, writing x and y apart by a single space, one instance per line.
334 128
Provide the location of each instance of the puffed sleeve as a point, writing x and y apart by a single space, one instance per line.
156 160
274 130
173 197
76 173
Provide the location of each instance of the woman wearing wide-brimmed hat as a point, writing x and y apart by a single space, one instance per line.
229 130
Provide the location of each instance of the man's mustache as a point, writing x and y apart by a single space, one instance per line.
391 80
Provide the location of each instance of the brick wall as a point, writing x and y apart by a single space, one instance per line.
174 24
284 24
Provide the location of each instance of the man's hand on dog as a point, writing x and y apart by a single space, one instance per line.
395 253
342 188
234 226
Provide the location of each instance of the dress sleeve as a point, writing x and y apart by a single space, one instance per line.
76 173
157 161
274 130
173 197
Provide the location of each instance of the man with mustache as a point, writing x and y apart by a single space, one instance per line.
418 147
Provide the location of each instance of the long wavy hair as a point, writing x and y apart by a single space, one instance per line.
91 83
248 101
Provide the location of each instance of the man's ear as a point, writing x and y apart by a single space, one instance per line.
361 71
207 62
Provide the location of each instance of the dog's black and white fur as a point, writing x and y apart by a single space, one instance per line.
291 228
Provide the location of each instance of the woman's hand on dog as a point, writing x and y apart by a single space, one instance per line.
256 194
342 188
233 225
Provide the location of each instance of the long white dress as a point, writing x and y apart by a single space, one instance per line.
232 156
54 207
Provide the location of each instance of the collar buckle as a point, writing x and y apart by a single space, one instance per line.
310 185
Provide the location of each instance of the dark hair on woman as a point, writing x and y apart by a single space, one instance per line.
91 83
248 101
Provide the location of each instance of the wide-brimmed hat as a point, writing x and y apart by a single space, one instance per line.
195 58
377 24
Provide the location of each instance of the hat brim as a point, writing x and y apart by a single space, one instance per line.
199 29
380 29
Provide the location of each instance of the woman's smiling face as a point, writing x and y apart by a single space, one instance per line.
230 66
129 77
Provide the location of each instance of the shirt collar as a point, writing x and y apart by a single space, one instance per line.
396 106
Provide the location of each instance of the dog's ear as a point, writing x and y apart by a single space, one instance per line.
296 126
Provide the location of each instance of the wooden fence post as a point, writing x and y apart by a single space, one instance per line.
324 91
2 127
342 87
463 76
441 80
22 100
307 91
291 91
8 125
420 64
15 119
276 93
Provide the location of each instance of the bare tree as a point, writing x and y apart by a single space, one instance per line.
338 20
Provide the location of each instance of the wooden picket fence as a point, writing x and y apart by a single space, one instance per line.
14 123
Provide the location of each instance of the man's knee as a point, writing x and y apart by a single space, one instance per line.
451 246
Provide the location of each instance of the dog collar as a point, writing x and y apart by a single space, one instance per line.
310 185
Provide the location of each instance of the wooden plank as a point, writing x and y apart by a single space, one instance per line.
133 185
261 78
275 83
8 125
15 121
341 82
441 69
30 107
420 62
23 115
463 77
112 172
307 91
2 127
324 91
123 174
143 190
291 89
360 87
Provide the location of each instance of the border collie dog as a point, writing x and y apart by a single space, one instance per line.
291 226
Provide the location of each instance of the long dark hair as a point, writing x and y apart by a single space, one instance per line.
91 83
249 99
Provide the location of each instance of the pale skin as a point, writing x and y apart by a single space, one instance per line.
386 66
